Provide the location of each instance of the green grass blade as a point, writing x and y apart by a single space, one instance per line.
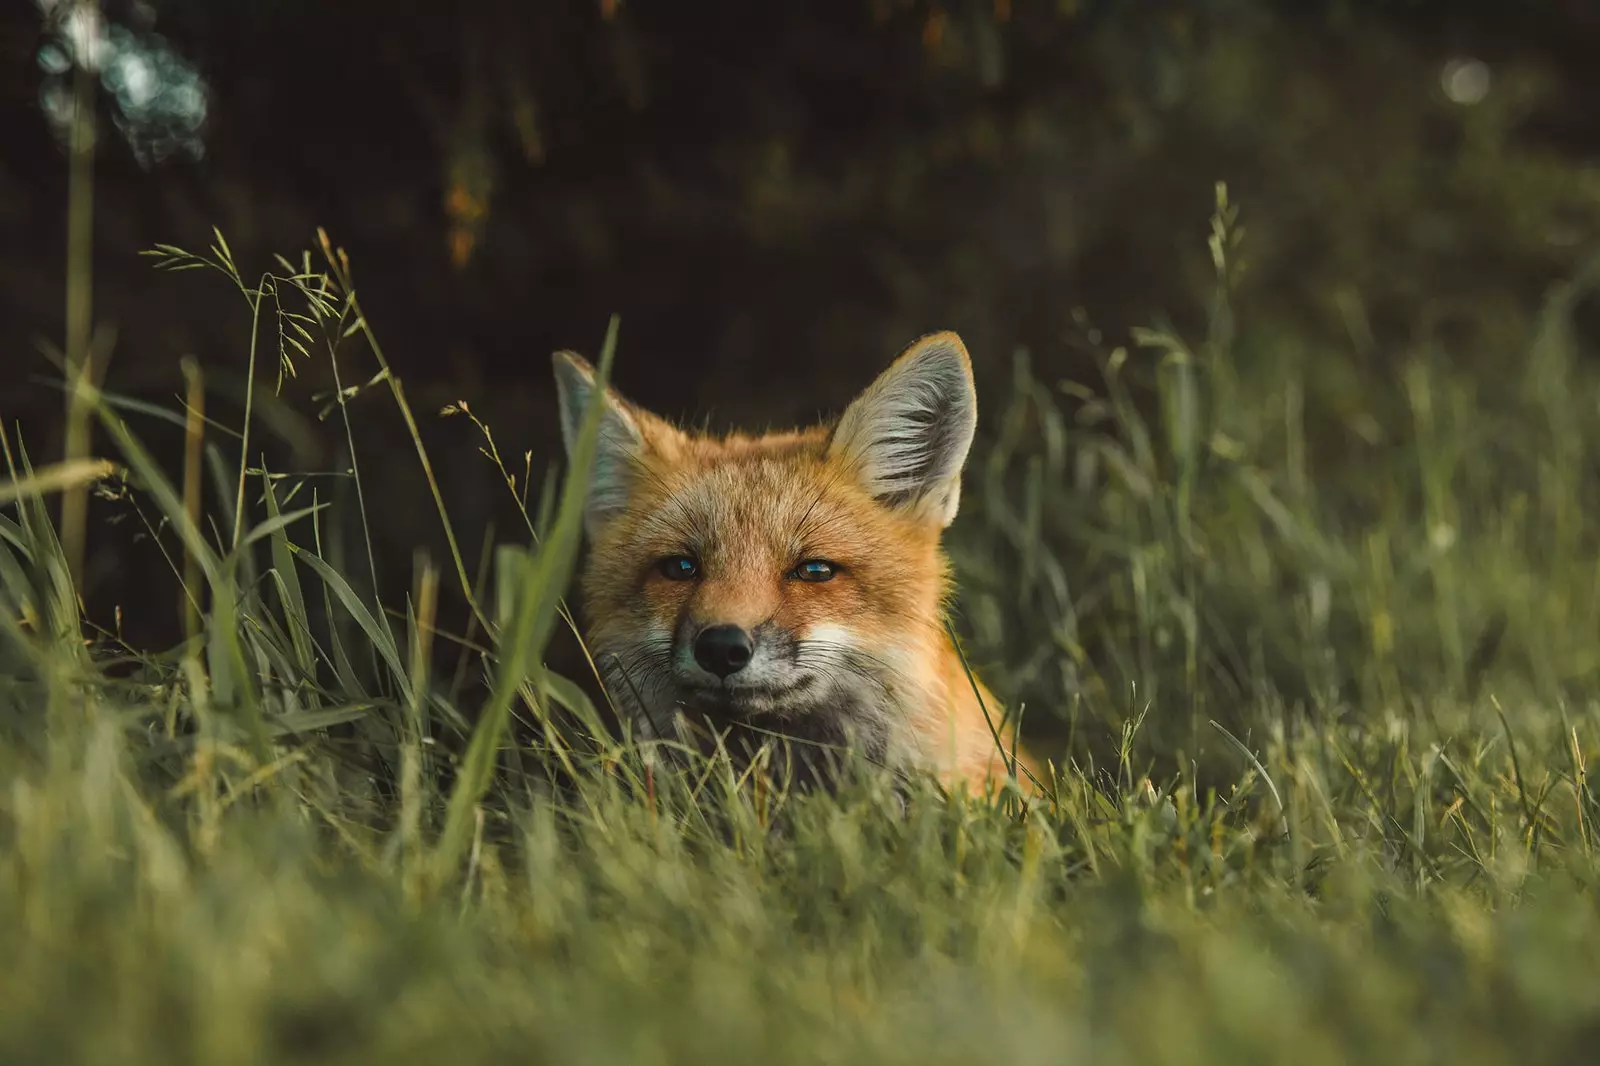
378 635
287 579
522 642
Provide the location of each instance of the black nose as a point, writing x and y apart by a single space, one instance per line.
723 650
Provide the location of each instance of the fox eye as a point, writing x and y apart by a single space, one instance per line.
815 570
678 568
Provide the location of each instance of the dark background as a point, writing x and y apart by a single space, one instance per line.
776 197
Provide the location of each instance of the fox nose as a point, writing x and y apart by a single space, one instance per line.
723 650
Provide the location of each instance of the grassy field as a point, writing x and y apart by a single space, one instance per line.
1317 662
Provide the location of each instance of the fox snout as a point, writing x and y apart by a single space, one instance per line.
733 660
723 649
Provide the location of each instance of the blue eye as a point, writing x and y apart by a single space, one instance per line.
678 568
815 570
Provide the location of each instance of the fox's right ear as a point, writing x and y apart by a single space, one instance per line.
619 447
908 433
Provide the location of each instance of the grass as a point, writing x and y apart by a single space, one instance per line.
1323 704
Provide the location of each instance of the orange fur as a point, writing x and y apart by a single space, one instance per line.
870 494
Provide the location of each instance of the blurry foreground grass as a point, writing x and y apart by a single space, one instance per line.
1326 717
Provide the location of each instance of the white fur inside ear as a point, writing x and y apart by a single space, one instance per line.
909 432
618 447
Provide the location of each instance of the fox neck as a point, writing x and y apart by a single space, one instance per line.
949 718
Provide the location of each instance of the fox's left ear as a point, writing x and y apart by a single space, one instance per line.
626 436
907 435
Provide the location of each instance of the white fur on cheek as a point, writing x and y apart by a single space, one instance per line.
837 635
884 662
631 666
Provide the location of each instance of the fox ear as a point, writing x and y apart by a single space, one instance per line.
621 443
908 433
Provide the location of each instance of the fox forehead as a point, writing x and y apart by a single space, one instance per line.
740 497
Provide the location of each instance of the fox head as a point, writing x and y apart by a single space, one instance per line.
790 581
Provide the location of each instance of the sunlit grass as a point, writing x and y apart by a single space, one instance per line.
1323 723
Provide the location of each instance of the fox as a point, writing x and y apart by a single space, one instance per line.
792 582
